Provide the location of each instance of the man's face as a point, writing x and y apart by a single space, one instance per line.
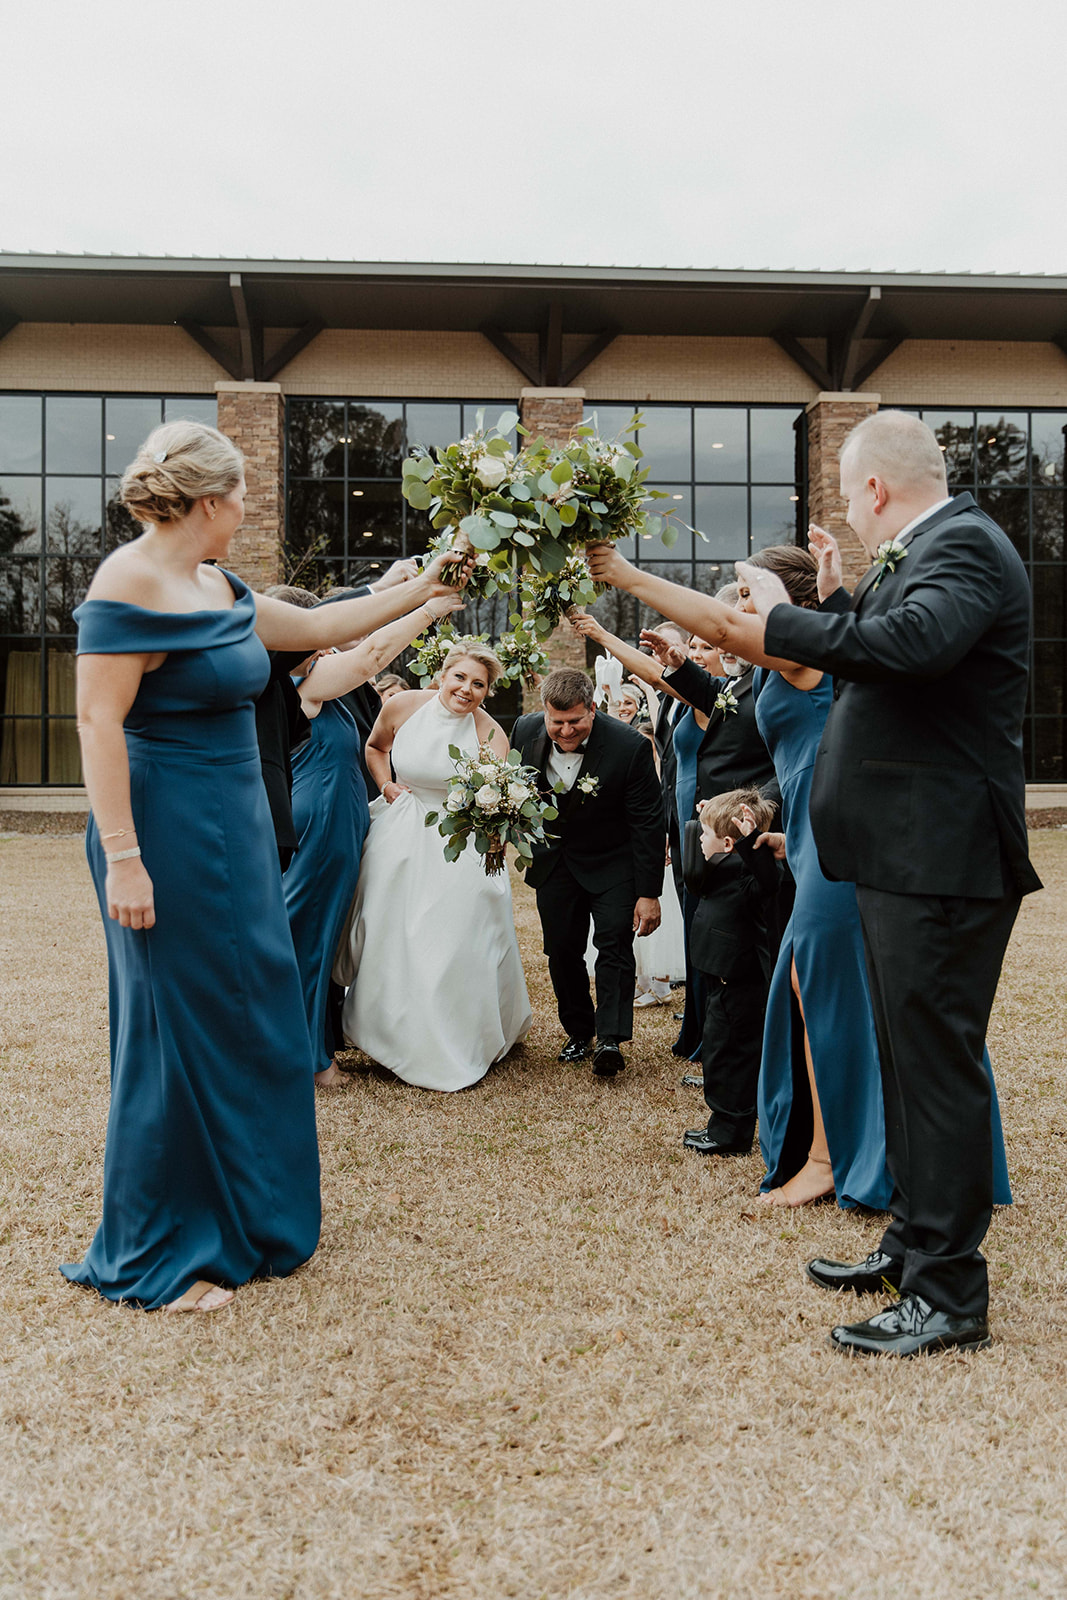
865 499
569 728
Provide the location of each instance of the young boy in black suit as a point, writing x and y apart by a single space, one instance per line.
734 879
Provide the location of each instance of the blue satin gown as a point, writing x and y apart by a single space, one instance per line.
824 938
211 1168
331 816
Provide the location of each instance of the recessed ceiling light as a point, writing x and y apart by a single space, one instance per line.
794 497
993 440
717 447
111 437
367 533
358 493
676 497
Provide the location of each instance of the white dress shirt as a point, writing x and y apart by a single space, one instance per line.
563 767
914 523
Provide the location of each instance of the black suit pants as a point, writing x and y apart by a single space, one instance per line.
565 909
933 963
733 1041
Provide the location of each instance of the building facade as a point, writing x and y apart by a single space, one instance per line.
325 375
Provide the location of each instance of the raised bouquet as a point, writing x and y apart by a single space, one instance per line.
496 802
547 597
433 646
528 511
520 652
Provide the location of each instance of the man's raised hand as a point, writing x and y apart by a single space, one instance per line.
668 654
827 552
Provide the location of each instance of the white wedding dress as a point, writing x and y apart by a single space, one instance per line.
437 991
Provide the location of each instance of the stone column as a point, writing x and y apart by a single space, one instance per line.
555 413
253 416
830 417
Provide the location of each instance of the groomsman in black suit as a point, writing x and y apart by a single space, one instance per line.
917 797
603 863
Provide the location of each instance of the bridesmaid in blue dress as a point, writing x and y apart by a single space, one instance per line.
331 813
211 1172
819 1005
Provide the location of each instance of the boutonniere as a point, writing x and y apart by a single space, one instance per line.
889 552
726 701
588 785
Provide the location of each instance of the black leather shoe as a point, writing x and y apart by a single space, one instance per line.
575 1049
711 1144
693 1080
872 1276
678 1016
607 1059
911 1327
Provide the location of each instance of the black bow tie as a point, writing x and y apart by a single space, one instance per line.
560 750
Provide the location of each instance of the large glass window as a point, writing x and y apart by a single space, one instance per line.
733 473
60 457
1013 464
346 518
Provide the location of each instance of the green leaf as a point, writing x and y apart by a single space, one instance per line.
409 467
547 484
504 519
551 516
568 514
480 532
429 819
514 758
520 491
624 468
634 449
550 813
416 494
561 473
669 536
506 421
496 447
425 469
520 536
455 752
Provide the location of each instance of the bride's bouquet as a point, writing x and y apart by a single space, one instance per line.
495 802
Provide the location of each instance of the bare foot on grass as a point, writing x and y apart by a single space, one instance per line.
814 1181
330 1078
202 1297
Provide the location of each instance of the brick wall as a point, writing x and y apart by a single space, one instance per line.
253 416
830 418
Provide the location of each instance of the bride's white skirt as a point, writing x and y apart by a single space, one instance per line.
437 988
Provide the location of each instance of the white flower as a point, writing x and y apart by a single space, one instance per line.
458 800
488 798
889 552
518 794
489 770
589 784
726 701
490 471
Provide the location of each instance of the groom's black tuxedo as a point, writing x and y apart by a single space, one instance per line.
918 797
607 852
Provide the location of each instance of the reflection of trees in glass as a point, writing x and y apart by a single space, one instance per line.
375 443
1002 452
957 443
119 526
18 578
315 430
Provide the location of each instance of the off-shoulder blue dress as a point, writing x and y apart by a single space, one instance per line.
211 1168
824 938
331 815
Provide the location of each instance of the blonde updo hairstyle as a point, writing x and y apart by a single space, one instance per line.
176 466
474 652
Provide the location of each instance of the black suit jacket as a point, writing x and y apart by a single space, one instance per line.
732 754
364 702
733 893
616 832
918 785
281 727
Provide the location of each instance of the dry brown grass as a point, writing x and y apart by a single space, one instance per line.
538 1353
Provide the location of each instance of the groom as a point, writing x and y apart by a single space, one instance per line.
603 862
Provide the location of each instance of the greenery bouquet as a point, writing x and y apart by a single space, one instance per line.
521 654
495 802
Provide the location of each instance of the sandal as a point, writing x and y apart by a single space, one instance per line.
190 1300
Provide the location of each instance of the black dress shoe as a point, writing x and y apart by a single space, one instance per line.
878 1272
575 1049
911 1327
679 1016
716 1144
693 1080
607 1059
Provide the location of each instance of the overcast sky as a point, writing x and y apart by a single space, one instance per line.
921 135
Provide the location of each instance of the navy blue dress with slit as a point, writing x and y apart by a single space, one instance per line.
211 1167
823 937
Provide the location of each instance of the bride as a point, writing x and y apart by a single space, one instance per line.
437 992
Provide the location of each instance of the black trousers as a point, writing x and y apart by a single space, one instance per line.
565 909
733 1044
934 963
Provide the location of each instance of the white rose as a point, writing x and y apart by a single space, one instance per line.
518 794
488 798
488 771
490 471
458 799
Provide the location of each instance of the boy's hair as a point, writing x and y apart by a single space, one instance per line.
719 812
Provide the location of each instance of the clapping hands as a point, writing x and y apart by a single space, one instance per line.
827 552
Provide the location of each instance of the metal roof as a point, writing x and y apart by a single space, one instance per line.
598 302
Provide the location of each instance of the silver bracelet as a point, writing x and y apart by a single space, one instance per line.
122 855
